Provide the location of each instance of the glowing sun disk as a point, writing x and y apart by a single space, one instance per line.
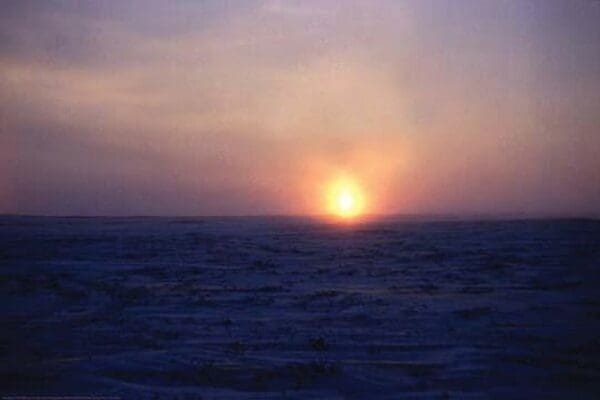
345 199
346 202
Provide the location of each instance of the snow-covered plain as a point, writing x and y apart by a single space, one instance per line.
299 308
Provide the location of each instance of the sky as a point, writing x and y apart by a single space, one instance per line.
255 107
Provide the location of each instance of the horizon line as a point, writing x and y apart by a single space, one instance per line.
445 216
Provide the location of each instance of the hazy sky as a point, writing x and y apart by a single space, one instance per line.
217 107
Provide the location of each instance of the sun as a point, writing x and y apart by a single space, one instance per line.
345 198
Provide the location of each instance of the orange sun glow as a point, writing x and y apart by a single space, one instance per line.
345 198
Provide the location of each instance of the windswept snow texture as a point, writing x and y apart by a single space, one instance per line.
226 308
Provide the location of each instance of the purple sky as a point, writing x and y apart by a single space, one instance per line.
218 107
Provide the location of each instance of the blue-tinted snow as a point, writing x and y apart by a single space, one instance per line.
299 308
